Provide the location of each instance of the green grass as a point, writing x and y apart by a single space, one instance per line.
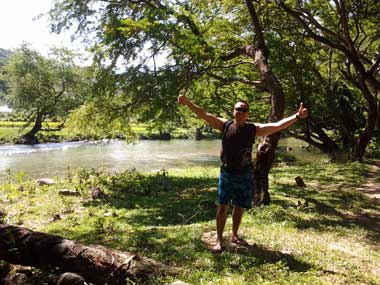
10 132
326 233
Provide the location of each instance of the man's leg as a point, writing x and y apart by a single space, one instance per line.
221 217
237 214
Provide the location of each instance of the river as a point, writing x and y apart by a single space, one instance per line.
52 159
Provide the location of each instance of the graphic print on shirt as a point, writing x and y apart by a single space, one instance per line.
246 157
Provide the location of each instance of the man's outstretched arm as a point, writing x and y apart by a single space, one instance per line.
213 121
270 128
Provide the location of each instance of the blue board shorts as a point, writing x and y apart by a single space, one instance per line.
235 189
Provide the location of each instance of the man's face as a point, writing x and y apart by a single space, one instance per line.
241 112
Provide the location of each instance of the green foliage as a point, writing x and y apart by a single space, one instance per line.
156 49
146 51
373 148
89 121
4 57
45 87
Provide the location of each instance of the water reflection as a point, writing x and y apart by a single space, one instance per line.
55 159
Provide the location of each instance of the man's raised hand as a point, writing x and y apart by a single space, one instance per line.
182 97
302 111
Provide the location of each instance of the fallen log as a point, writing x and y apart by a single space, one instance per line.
97 264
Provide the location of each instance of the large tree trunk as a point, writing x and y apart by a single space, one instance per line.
96 264
261 167
366 135
259 52
30 137
378 118
319 140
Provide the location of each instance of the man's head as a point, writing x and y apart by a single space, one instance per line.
241 112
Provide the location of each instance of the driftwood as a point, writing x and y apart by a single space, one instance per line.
96 264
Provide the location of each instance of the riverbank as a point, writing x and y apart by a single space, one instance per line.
41 160
11 133
325 233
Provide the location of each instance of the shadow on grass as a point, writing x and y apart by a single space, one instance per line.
264 255
334 202
253 255
369 222
180 201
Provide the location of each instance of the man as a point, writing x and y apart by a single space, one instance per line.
236 155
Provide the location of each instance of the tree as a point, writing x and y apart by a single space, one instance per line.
349 29
218 43
223 50
44 88
4 56
331 42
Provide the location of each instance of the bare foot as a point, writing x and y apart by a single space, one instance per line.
218 247
238 241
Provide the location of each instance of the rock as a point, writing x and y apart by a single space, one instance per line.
17 279
299 181
45 181
178 282
97 193
66 192
110 214
69 278
56 217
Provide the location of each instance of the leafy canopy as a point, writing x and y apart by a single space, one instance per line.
47 86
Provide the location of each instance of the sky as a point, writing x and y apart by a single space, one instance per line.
18 24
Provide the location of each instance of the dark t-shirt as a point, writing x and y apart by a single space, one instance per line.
237 142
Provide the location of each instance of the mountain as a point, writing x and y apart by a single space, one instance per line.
4 55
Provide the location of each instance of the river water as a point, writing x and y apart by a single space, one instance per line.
57 158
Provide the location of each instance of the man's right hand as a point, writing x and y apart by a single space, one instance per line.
182 99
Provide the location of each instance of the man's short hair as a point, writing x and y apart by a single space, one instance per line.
243 101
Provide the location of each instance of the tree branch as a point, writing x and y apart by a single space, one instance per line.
260 85
374 69
236 53
260 41
310 33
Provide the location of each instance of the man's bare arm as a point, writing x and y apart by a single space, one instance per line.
213 121
270 128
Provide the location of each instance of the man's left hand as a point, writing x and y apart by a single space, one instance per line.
303 112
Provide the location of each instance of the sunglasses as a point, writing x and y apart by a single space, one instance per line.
243 110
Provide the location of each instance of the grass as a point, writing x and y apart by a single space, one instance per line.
326 233
10 132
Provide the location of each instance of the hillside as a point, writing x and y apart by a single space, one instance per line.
4 56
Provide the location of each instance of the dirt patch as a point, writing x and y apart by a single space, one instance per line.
209 239
372 186
263 253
